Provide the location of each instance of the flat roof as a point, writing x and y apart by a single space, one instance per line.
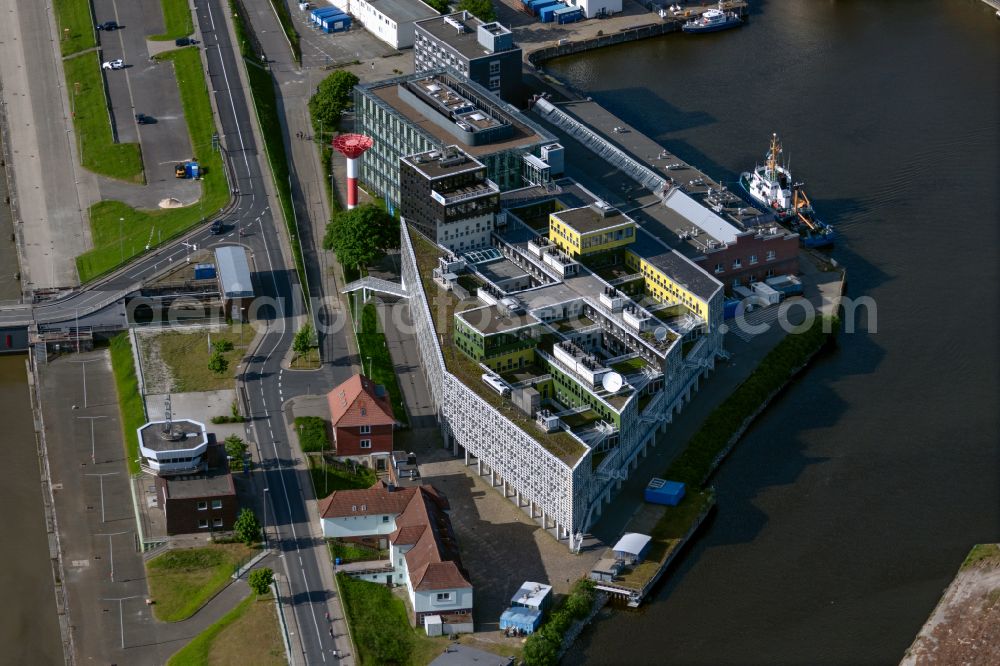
456 654
491 319
210 484
632 543
437 164
402 11
187 435
701 217
465 43
587 220
680 269
501 271
522 136
234 271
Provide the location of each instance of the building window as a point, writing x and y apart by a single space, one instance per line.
364 412
770 255
719 268
202 506
217 522
495 68
444 596
385 519
216 504
366 443
494 83
737 263
753 258
366 429
203 524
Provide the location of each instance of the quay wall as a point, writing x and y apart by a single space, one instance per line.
539 56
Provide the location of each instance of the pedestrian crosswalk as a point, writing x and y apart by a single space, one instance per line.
752 324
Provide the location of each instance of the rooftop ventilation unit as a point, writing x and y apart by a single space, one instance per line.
455 23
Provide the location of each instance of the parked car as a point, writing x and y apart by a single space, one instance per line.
117 63
143 119
185 41
108 25
218 227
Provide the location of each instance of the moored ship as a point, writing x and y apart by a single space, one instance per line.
713 20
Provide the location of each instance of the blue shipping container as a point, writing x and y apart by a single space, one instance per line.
542 4
568 15
335 23
204 271
660 491
533 5
547 13
318 14
729 308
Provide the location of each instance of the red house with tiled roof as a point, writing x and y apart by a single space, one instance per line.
362 420
423 551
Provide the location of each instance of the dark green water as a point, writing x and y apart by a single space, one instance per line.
29 632
847 509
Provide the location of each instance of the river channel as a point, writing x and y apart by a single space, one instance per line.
846 510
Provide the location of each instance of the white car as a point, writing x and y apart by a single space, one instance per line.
114 64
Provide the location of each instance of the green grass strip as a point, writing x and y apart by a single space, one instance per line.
133 411
266 102
377 362
176 20
183 580
76 26
695 464
141 226
285 19
196 652
330 476
379 623
98 151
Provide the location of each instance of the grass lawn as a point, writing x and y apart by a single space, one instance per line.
328 476
379 625
182 581
348 551
176 19
376 361
187 354
984 554
248 634
130 404
313 433
76 25
308 361
142 225
98 151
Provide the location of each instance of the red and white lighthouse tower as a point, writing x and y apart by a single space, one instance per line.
352 146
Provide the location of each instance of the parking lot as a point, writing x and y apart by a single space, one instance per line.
148 87
320 49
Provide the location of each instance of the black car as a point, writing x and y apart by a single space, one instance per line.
108 25
217 227
185 41
143 119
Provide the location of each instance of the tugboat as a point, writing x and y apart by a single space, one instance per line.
771 185
713 20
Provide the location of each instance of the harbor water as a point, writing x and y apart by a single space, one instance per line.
848 507
29 631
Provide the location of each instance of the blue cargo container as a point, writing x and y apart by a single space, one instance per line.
537 5
204 271
317 14
660 491
335 23
729 308
525 619
568 15
547 13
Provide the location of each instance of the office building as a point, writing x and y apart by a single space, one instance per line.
391 20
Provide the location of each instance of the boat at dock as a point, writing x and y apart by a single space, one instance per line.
772 186
713 20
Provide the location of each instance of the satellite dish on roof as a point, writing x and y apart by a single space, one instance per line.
660 333
612 382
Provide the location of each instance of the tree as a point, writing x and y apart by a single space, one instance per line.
361 236
440 6
222 346
481 9
260 580
247 528
333 95
302 342
235 447
538 651
218 363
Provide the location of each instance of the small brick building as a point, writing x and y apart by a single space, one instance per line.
362 420
203 502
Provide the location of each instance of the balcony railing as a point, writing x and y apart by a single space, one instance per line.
489 187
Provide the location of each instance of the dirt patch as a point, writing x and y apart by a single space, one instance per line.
965 626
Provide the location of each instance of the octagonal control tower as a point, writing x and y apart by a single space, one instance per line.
172 447
352 146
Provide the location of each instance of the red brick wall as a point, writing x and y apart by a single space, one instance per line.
348 440
183 514
785 262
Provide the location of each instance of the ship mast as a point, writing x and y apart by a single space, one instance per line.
772 157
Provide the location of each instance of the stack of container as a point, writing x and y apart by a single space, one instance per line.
547 13
331 19
567 14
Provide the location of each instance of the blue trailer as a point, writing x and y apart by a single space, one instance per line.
547 13
568 14
660 491
318 14
335 23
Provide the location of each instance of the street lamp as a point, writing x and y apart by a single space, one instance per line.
121 239
265 517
